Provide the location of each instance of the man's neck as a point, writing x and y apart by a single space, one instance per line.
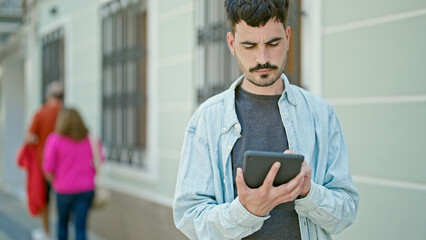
53 102
275 89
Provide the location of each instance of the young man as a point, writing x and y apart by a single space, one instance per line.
262 111
42 125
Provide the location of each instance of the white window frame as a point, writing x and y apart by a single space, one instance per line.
311 42
117 176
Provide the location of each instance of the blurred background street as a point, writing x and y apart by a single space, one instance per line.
16 224
137 69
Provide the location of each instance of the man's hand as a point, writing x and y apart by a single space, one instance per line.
49 177
31 138
260 201
307 173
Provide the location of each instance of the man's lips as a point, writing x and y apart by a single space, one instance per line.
264 71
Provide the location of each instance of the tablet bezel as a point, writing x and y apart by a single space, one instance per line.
257 164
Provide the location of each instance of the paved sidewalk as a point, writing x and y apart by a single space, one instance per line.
17 224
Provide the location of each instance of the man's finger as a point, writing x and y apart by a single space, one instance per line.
239 180
289 152
292 184
269 180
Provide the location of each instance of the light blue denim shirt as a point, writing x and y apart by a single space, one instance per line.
204 206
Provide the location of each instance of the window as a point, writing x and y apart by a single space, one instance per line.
52 59
215 67
124 74
292 68
11 17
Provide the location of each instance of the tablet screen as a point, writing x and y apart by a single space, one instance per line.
258 163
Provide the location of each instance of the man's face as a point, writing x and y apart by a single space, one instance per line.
261 52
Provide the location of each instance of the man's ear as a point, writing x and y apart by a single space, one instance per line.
288 36
231 41
287 33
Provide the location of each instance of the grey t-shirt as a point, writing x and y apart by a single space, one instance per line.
262 129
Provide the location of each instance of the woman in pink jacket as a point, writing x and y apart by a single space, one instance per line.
68 164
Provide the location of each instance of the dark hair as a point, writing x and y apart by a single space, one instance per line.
70 124
256 12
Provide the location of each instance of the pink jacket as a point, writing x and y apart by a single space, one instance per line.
71 164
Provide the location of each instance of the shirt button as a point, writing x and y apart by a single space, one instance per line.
237 126
229 147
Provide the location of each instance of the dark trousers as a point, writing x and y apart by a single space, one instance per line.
75 205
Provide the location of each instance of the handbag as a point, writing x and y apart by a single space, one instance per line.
102 196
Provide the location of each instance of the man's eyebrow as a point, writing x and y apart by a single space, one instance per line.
268 42
248 43
274 40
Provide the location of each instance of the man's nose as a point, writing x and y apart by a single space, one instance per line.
262 55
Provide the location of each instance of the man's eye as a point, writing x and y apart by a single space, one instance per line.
248 46
273 44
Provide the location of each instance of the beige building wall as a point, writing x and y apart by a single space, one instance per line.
366 58
141 199
373 73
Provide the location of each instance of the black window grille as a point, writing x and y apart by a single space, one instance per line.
11 17
53 56
216 69
124 74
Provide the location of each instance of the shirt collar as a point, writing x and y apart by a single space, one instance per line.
230 118
288 91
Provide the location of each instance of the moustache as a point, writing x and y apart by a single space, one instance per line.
263 66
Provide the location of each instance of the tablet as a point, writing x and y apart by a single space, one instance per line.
258 163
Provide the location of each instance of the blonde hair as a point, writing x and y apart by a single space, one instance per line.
70 124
